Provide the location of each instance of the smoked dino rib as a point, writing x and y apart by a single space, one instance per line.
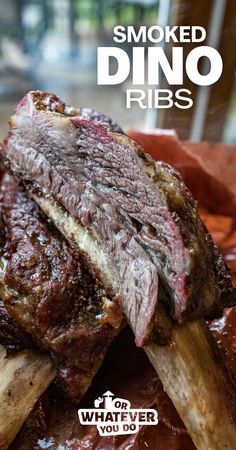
134 219
140 231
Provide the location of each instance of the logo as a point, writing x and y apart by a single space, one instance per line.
116 416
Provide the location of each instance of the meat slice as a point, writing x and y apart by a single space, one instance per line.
134 219
49 294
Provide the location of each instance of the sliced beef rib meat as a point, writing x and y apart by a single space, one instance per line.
49 294
134 219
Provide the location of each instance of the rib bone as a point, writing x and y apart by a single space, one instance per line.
195 378
23 379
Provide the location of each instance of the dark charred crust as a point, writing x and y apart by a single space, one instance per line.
11 336
50 298
48 102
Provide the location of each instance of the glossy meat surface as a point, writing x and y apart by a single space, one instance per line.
48 293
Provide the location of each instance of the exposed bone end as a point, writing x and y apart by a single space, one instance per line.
195 378
23 378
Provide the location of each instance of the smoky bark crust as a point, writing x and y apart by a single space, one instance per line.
49 297
141 220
